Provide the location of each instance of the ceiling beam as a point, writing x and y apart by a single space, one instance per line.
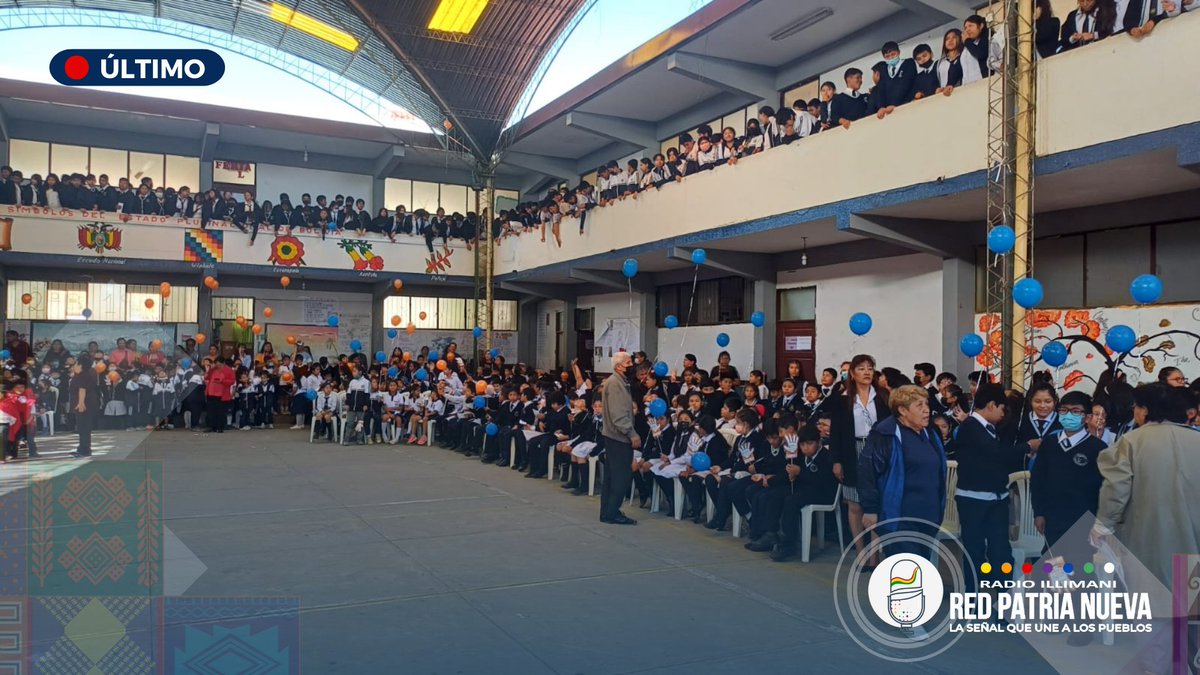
758 266
402 54
539 290
948 9
735 77
613 128
721 104
941 238
837 254
642 283
208 144
388 160
551 166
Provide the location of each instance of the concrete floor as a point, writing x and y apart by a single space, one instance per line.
418 560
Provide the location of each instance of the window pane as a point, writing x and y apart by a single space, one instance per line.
454 198
473 318
668 302
1113 258
115 163
731 300
232 308
504 315
143 164
182 305
182 171
135 303
397 192
36 309
798 304
65 301
29 157
107 302
426 306
707 296
452 313
395 305
507 199
1177 245
425 196
736 120
1060 269
68 159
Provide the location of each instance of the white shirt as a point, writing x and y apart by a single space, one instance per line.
864 416
1066 442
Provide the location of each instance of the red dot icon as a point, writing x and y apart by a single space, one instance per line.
76 67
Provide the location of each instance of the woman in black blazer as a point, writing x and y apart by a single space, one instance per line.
1046 28
851 418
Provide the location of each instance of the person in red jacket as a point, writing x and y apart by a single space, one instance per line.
218 388
14 412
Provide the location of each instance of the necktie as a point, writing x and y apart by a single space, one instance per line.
892 71
1041 425
991 430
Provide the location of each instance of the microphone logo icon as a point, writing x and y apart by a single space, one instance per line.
906 597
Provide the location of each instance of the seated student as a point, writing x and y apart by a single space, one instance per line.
393 404
1065 482
749 461
750 400
808 472
952 69
1084 25
526 427
813 402
659 443
766 491
589 443
433 409
694 483
673 460
326 409
926 83
555 427
581 426
850 105
897 83
505 417
728 418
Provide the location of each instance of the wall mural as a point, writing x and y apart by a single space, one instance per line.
99 237
360 252
287 251
438 262
1168 335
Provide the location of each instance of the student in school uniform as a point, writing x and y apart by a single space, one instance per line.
1065 482
789 400
326 410
953 70
358 407
694 485
750 458
984 462
977 41
588 443
555 428
808 472
659 443
849 105
1046 28
1083 25
579 420
897 82
164 399
926 83
767 488
1035 423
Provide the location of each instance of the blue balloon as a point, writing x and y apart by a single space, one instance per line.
477 332
658 407
434 355
1146 288
722 340
1028 292
311 394
185 362
392 333
393 372
87 313
480 403
758 319
356 345
701 462
1054 354
699 256
494 353
661 369
1120 338
5 354
629 268
332 320
422 374
671 321
971 345
1001 239
381 356
860 323
492 429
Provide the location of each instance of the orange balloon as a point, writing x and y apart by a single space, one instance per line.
257 329
149 303
395 320
422 315
241 321
450 356
480 388
267 312
215 285
164 289
291 339
441 364
285 280
209 281
407 356
155 345
410 329
100 366
200 338
397 284
26 298
114 377
286 376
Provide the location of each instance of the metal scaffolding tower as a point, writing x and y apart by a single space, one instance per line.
1010 155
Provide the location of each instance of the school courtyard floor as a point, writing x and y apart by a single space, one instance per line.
418 560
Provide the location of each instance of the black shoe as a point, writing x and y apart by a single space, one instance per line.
34 455
622 520
644 504
579 491
1079 639
502 464
698 518
715 525
763 544
782 552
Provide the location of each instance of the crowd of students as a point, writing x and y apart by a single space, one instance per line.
774 445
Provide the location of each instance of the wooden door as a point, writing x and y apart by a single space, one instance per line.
796 340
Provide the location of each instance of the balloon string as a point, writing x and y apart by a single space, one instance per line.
691 302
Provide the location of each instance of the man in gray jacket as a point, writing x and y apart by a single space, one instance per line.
620 440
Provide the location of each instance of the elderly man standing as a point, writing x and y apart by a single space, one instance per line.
620 440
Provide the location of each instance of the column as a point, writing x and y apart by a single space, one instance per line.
764 338
958 313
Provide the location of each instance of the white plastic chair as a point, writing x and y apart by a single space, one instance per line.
951 527
593 465
729 435
1029 543
47 417
338 425
806 521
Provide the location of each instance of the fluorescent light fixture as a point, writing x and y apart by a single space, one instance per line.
314 27
457 16
805 22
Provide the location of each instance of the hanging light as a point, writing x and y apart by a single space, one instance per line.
804 253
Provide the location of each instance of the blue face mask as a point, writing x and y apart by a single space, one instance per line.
1071 422
893 62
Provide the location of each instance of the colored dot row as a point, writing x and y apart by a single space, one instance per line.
1047 568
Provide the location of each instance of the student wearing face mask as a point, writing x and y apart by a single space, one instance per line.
897 82
925 84
1065 482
